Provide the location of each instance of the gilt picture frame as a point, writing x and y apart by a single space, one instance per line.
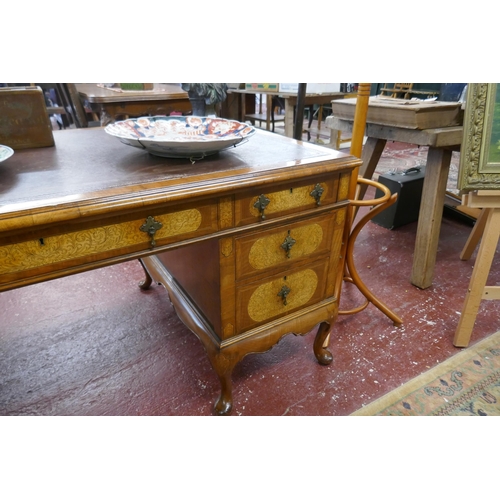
480 151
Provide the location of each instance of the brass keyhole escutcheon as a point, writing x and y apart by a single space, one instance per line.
288 244
261 204
151 226
316 193
283 293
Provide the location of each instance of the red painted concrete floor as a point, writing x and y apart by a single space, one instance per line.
95 344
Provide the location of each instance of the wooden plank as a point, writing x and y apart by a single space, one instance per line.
475 235
478 201
436 137
491 293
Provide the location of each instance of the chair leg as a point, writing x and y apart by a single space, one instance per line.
352 276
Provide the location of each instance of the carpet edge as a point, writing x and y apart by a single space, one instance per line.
371 409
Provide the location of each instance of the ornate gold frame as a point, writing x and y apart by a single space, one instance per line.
479 166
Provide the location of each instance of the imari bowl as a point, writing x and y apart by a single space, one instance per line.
191 137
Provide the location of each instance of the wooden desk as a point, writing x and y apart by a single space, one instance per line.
255 234
162 100
441 143
290 103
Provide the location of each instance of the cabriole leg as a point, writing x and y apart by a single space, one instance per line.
146 283
323 355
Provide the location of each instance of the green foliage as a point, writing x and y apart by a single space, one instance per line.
212 92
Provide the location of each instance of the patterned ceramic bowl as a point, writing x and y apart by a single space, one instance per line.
191 137
5 152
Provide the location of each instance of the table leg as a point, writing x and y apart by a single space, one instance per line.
243 109
148 281
372 151
335 138
323 355
288 119
430 215
106 117
480 274
269 105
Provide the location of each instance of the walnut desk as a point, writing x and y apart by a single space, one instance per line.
249 243
441 142
164 99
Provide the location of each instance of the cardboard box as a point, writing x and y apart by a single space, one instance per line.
262 86
408 185
403 113
24 121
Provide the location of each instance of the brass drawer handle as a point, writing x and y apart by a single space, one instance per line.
316 193
261 204
288 244
283 293
151 226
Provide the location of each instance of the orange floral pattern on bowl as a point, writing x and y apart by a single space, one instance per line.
180 136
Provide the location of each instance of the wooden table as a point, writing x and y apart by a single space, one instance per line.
441 143
164 99
255 234
290 103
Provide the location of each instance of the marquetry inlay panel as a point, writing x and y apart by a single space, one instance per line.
267 252
226 246
288 199
340 217
36 253
344 183
226 218
265 303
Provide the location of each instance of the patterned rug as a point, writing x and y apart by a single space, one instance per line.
465 384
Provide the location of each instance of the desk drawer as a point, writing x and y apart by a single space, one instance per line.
268 299
48 253
292 198
289 245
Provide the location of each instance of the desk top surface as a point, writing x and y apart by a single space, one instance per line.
161 91
88 168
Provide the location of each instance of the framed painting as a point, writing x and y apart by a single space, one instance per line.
480 151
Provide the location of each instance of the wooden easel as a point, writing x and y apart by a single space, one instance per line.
486 229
